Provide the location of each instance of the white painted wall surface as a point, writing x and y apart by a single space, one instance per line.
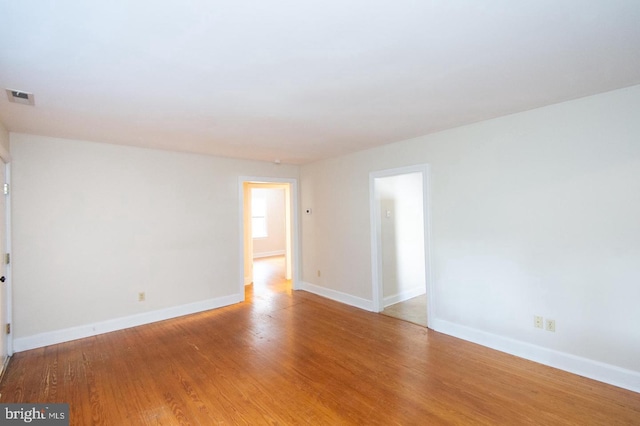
95 224
402 236
4 138
275 242
535 213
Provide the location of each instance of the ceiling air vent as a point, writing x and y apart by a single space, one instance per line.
20 97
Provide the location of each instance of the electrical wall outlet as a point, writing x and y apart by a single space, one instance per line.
141 296
538 321
551 325
318 272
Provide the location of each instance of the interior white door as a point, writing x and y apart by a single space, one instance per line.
3 270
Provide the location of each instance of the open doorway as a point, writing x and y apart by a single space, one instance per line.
400 246
269 229
268 232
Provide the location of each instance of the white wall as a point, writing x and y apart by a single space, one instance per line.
4 139
402 236
535 213
275 242
94 224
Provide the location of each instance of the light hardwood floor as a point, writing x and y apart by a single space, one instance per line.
413 310
285 357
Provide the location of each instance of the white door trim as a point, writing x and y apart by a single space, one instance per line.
7 246
9 267
294 240
376 240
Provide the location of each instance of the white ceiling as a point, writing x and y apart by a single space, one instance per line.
300 80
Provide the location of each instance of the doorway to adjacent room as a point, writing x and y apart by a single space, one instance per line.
400 246
270 229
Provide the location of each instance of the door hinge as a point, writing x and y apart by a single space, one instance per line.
7 258
6 189
8 328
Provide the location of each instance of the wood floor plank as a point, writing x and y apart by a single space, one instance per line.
290 357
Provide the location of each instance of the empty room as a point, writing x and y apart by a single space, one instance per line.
211 209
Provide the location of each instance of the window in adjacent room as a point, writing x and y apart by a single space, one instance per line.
259 213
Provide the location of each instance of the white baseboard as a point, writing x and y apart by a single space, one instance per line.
596 370
338 296
268 254
405 295
602 372
616 376
88 330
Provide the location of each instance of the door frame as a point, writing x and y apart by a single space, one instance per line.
5 160
376 237
291 211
